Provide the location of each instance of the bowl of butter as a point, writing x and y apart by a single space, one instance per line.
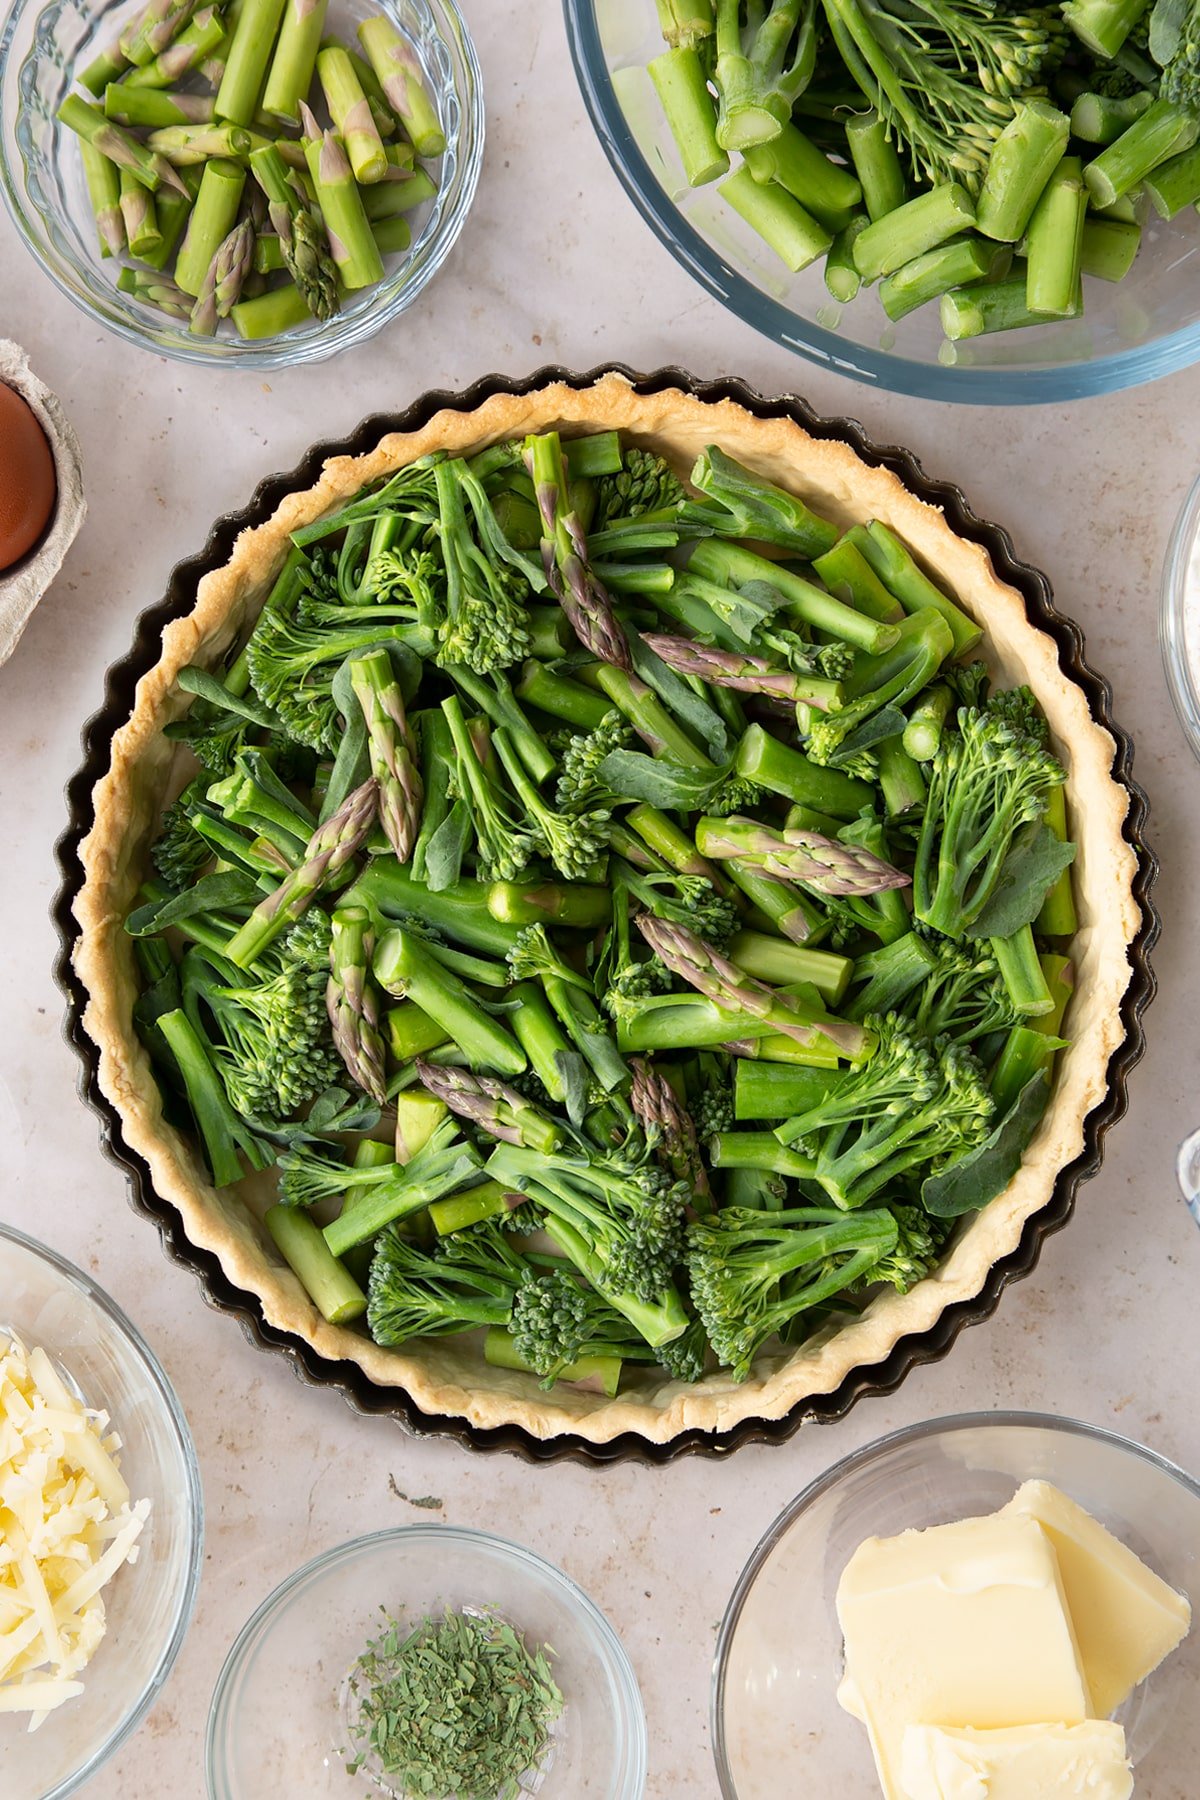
995 1606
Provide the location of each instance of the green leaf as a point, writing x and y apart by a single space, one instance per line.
198 681
224 892
447 847
659 782
968 1184
1166 29
573 1072
881 725
1031 868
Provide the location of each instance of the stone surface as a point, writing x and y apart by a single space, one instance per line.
555 266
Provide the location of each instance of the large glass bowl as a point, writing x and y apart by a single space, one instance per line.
304 1639
777 1726
1131 331
149 1603
41 173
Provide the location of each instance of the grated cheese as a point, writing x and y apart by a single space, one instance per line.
66 1527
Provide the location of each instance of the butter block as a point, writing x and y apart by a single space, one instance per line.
962 1624
1126 1619
1034 1762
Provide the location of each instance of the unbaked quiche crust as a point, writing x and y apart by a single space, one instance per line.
448 1376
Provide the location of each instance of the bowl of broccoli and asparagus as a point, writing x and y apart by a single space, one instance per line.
264 183
608 915
953 198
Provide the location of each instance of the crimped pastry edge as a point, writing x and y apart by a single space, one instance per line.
447 1377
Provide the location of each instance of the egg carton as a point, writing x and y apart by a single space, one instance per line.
22 586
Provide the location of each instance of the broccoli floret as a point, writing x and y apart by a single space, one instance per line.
269 1030
684 1358
503 846
712 1110
963 998
558 1320
688 900
754 1273
580 783
910 1105
736 795
646 484
487 592
991 778
915 1256
179 852
633 983
471 1279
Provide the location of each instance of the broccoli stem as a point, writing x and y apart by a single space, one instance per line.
927 277
1100 119
792 233
825 189
785 906
1163 131
1021 972
1110 246
1103 25
223 1132
759 1150
1023 158
876 164
538 1032
1055 242
991 306
901 575
686 21
600 1373
926 722
548 903
330 1286
730 565
405 966
849 576
775 765
593 453
1025 1054
900 779
841 275
1058 918
674 846
890 973
917 226
489 1200
459 911
561 697
411 1032
649 717
431 1175
755 1189
417 1118
766 1090
782 964
690 112
1175 183
494 696
807 818
666 1022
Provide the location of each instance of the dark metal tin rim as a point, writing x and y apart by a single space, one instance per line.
393 1402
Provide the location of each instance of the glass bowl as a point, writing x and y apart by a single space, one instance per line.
306 1636
1179 617
1131 331
149 1603
41 173
777 1726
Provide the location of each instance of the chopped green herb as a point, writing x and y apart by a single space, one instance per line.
459 1707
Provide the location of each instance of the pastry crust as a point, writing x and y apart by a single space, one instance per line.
448 1376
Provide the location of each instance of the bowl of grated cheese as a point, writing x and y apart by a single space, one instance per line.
101 1524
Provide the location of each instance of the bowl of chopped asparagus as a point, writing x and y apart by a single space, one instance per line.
251 185
606 907
954 200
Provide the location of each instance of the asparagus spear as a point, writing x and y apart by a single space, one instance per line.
107 66
223 279
669 1130
332 846
358 261
826 863
745 674
89 123
295 58
399 74
496 1108
352 1001
152 108
211 221
690 111
388 198
351 114
185 145
267 315
158 290
302 239
204 34
393 751
368 81
249 53
565 558
138 212
104 191
158 26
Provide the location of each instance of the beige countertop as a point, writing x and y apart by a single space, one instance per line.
555 266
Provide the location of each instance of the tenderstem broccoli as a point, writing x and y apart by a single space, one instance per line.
469 1280
762 68
227 1137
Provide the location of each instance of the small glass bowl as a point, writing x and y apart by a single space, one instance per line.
1179 617
1131 331
41 173
306 1636
149 1603
777 1726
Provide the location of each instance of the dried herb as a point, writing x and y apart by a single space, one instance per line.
458 1707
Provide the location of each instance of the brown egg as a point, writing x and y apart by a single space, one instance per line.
28 488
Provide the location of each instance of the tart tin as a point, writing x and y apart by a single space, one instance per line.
393 1402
